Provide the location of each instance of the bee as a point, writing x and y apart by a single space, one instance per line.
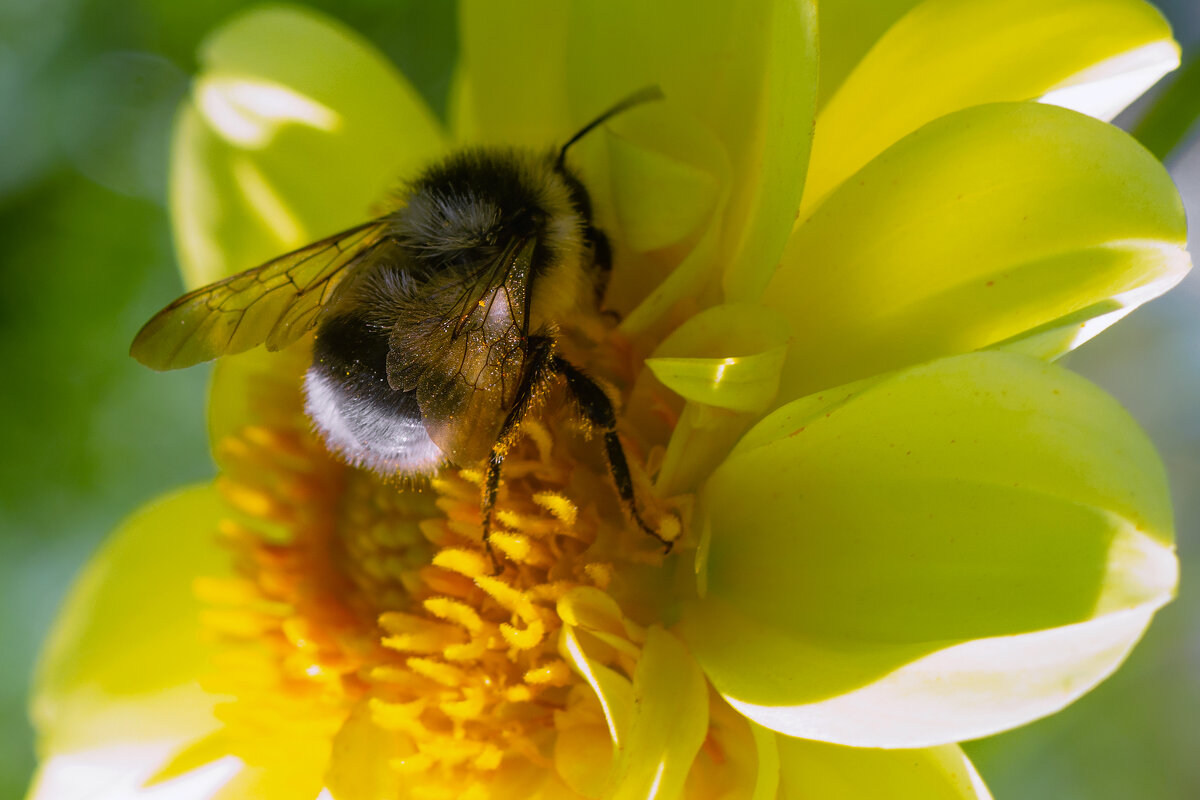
436 324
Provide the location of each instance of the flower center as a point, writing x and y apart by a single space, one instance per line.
366 612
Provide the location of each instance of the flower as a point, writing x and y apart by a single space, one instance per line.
900 524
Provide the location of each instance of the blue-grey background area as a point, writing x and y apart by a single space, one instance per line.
87 93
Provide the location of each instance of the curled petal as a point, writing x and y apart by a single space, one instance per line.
950 551
669 722
982 226
725 362
941 57
729 357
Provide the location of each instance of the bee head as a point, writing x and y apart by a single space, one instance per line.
468 207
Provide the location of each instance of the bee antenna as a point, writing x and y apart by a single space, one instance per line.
647 94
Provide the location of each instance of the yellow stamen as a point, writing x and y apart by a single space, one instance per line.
555 673
354 594
455 611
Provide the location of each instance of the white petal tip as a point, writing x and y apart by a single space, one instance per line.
1103 91
119 772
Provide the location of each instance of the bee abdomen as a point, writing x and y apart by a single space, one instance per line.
356 412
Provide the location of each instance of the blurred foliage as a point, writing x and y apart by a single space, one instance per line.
1173 115
88 89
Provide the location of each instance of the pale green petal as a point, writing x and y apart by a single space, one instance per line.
700 440
662 194
511 88
669 722
945 55
726 362
296 128
672 281
728 356
816 769
665 184
745 73
126 651
937 555
771 176
981 226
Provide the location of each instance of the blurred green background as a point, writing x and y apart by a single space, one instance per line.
87 92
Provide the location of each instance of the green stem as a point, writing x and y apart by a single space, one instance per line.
1166 124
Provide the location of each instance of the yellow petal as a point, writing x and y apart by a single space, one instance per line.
512 88
256 388
126 650
726 362
359 766
943 56
613 689
744 73
728 356
583 757
947 552
815 769
848 29
670 720
296 128
292 781
738 761
981 226
659 198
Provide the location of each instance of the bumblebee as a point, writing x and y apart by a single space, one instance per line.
436 324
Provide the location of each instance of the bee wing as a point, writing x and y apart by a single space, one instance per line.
466 364
273 303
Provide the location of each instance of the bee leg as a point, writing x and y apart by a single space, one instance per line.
540 358
491 488
597 409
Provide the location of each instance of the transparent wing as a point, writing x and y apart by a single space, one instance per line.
466 357
273 303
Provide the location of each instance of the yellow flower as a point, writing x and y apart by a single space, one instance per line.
900 525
